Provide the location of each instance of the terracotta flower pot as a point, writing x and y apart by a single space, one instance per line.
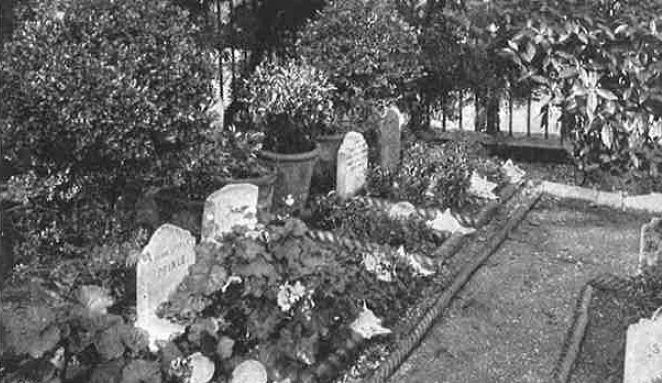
294 174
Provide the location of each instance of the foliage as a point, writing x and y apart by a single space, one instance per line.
289 103
368 51
95 94
279 295
79 330
355 219
600 63
231 153
431 176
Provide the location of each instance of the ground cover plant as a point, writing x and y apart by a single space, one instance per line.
430 176
356 219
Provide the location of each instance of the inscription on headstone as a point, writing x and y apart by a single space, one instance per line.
163 264
389 140
233 205
352 165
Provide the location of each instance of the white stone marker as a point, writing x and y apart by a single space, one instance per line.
232 205
352 165
163 264
389 139
643 351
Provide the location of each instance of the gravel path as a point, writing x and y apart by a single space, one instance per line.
509 322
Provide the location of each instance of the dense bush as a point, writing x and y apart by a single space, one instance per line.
96 93
599 62
434 176
366 48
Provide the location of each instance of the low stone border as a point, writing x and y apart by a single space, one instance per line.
453 244
328 369
572 344
405 346
650 202
575 337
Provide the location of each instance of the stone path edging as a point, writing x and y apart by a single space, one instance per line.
650 202
409 343
572 344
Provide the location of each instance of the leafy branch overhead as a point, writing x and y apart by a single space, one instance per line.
601 65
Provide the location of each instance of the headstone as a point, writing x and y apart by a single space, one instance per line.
352 165
401 210
233 205
643 350
389 140
650 245
163 264
249 371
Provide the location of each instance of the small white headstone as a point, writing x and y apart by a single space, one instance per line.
233 205
352 165
202 368
402 210
163 264
389 139
249 371
643 351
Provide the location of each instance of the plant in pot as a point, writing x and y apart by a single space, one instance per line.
231 156
291 103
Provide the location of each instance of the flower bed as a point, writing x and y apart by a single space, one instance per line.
274 295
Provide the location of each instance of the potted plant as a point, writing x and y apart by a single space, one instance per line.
232 156
290 103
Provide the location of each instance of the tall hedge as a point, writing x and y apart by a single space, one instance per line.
94 93
366 48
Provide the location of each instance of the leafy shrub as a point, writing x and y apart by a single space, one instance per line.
40 324
365 47
432 176
599 62
94 94
289 103
354 219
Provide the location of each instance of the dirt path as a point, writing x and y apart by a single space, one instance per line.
509 322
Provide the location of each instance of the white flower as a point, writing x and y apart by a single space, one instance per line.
289 200
288 295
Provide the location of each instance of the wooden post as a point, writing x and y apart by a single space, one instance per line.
443 113
461 108
528 116
510 114
478 110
